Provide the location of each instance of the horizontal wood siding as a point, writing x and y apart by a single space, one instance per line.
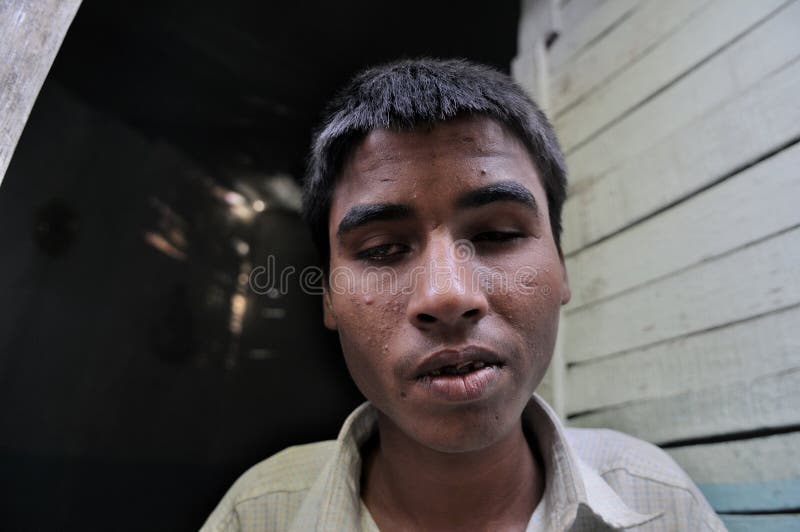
680 122
583 31
708 360
759 278
712 147
708 31
768 47
653 21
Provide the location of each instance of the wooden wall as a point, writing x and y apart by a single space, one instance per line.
680 121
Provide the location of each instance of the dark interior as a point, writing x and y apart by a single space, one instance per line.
140 372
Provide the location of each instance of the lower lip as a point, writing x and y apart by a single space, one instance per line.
460 388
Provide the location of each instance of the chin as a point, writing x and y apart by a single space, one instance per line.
470 429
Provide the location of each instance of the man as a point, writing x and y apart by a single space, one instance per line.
434 195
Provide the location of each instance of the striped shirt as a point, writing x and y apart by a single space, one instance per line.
595 480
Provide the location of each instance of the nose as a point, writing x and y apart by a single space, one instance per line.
444 293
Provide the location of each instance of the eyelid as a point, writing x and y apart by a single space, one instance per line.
369 254
505 235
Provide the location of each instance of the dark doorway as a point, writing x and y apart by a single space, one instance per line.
140 373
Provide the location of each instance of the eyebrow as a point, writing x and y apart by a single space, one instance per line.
361 215
503 191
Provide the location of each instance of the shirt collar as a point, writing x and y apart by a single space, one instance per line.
570 484
334 501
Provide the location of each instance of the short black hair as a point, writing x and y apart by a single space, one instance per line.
421 92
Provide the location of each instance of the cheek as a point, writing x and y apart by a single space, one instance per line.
368 331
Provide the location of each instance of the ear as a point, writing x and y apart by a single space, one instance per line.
566 294
328 316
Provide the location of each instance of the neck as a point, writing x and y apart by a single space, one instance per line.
406 485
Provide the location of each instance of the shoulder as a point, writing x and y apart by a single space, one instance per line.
606 450
280 480
293 469
644 476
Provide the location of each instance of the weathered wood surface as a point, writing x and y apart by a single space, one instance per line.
762 523
752 205
735 134
765 49
752 460
682 238
753 497
574 12
750 475
712 28
538 20
754 280
720 357
31 33
580 33
653 21
768 401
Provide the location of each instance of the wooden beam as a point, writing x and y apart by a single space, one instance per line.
30 36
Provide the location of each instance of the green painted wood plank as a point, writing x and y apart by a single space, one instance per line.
762 523
775 495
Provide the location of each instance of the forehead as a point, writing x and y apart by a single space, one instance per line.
445 156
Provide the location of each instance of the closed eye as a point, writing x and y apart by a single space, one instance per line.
382 253
497 236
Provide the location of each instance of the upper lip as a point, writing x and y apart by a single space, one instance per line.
454 357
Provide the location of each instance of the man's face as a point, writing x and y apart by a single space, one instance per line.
445 280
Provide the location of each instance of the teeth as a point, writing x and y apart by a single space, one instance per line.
460 369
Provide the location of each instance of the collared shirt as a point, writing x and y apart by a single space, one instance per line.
595 480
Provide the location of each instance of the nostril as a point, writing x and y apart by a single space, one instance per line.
471 313
426 318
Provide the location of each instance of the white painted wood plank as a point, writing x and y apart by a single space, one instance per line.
762 51
576 36
652 22
745 208
729 136
767 401
754 280
30 36
752 460
574 12
716 358
706 33
530 71
538 20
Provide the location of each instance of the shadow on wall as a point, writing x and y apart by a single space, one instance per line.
138 374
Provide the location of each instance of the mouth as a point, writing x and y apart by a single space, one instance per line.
460 369
458 375
457 361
